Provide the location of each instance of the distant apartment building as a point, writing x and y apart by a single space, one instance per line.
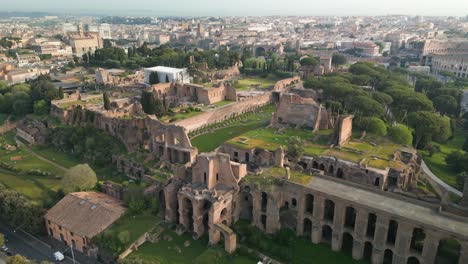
54 48
368 49
163 38
23 75
105 31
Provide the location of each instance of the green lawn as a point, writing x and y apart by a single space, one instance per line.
211 140
179 116
254 82
36 188
437 164
136 225
223 103
63 159
166 252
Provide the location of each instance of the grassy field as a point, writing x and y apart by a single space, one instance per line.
255 82
136 225
437 164
179 116
211 140
166 252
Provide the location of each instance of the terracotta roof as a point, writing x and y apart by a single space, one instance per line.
86 213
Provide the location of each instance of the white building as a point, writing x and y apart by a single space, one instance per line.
167 74
105 31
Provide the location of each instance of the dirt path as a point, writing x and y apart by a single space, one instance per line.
19 143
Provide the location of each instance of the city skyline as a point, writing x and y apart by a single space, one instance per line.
237 8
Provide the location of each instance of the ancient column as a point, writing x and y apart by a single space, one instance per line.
380 238
300 215
403 242
360 228
338 223
317 216
431 243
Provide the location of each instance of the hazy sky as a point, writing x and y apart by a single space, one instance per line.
243 7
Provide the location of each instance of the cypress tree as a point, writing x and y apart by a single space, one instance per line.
107 105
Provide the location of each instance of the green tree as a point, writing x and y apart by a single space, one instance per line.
61 93
2 240
446 104
429 126
18 259
124 237
400 134
107 104
375 126
365 106
338 59
79 178
295 148
41 107
167 79
309 61
154 78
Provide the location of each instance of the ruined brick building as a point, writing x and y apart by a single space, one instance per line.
341 202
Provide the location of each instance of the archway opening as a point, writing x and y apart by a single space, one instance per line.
162 204
329 210
417 240
314 165
339 173
388 257
347 245
322 167
264 201
413 260
307 231
350 217
309 206
448 251
392 232
246 206
263 221
367 251
331 170
326 234
188 216
371 222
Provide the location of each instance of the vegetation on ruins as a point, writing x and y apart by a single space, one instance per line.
154 78
79 178
153 105
295 148
86 143
400 134
338 59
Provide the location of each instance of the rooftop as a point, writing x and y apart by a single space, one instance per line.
86 213
165 69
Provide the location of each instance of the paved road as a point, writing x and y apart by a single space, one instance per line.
439 181
22 244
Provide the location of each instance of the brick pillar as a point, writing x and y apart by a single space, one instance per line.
380 237
431 243
319 204
300 215
273 218
402 243
359 232
338 223
256 209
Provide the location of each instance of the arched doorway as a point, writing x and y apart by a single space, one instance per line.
347 245
188 214
417 240
322 167
388 257
326 234
371 222
448 251
331 170
413 260
350 217
309 206
246 206
314 165
264 201
392 232
329 210
307 231
339 173
367 251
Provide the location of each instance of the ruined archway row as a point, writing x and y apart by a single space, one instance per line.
366 232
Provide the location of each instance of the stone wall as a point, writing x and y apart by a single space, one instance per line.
225 112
